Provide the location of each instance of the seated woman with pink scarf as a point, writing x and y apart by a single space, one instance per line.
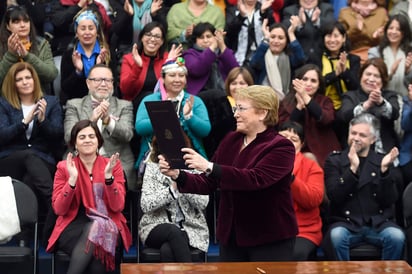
88 198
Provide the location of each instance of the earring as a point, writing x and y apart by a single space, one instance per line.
76 152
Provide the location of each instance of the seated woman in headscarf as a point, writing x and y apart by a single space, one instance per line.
191 110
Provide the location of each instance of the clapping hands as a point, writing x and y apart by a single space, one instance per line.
101 111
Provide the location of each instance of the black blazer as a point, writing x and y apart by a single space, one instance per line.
361 199
309 36
46 137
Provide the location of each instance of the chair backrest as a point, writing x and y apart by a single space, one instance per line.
27 209
407 205
26 201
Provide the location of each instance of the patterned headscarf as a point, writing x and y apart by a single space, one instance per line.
170 65
174 65
86 15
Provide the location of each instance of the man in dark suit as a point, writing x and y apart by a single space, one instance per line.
113 116
362 188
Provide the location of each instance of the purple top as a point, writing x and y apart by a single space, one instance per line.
199 65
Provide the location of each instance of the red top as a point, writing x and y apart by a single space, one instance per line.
66 200
132 76
307 192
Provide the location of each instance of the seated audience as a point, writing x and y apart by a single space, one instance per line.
364 22
139 13
63 12
182 17
191 110
312 16
141 68
396 51
244 27
113 116
340 69
277 56
19 42
90 48
173 222
220 108
31 131
277 7
88 198
307 105
402 7
208 60
307 192
361 185
252 167
373 97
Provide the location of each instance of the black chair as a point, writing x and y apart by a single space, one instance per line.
22 257
407 215
365 252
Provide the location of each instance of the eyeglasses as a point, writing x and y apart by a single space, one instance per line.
240 108
100 80
154 36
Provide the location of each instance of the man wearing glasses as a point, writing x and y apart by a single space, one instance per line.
113 116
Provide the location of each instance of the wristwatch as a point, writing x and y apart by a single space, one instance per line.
209 168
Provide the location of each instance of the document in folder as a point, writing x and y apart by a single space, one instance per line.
168 131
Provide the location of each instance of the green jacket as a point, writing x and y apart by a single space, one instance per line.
41 60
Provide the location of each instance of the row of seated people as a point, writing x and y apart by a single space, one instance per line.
123 20
271 64
33 115
90 48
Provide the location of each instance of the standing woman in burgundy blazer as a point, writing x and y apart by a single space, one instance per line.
307 105
252 167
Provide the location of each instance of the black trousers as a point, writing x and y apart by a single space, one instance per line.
172 242
26 166
304 250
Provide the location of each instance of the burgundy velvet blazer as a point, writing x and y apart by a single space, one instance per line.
255 194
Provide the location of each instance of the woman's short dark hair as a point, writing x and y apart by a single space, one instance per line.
380 65
294 127
82 124
148 28
198 31
328 29
16 13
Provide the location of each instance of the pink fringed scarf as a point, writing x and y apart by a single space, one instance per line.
103 231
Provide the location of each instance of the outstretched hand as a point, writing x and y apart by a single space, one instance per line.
108 171
175 51
71 168
389 159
